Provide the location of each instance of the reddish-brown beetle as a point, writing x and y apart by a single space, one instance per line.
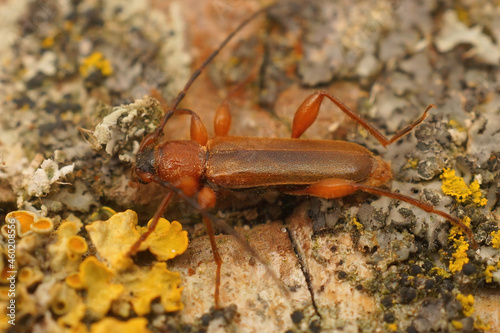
322 168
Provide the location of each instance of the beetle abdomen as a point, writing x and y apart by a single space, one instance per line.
237 162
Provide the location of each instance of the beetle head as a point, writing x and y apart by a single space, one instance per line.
145 165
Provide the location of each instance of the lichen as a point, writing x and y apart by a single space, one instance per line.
495 240
467 304
488 272
48 173
147 284
66 252
460 245
135 325
96 279
455 186
96 62
113 239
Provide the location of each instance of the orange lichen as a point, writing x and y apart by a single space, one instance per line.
166 286
74 281
113 239
135 325
43 226
24 220
96 278
168 240
455 186
77 244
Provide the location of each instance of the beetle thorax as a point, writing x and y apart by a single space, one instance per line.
177 160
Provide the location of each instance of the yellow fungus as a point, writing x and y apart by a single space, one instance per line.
135 325
495 241
93 62
146 285
467 304
455 186
100 291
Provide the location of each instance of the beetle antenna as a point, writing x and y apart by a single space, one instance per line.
199 70
227 229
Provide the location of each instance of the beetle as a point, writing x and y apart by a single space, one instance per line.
195 169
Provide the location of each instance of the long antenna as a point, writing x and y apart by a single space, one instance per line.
198 71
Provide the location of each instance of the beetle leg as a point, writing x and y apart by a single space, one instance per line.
152 226
308 111
222 120
337 188
206 199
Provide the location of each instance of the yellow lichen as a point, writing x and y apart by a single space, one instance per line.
30 275
136 325
113 239
488 272
455 186
96 278
479 324
66 252
167 241
412 163
495 241
460 255
146 285
69 306
74 281
457 324
392 327
467 304
48 42
460 245
93 62
441 272
358 225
